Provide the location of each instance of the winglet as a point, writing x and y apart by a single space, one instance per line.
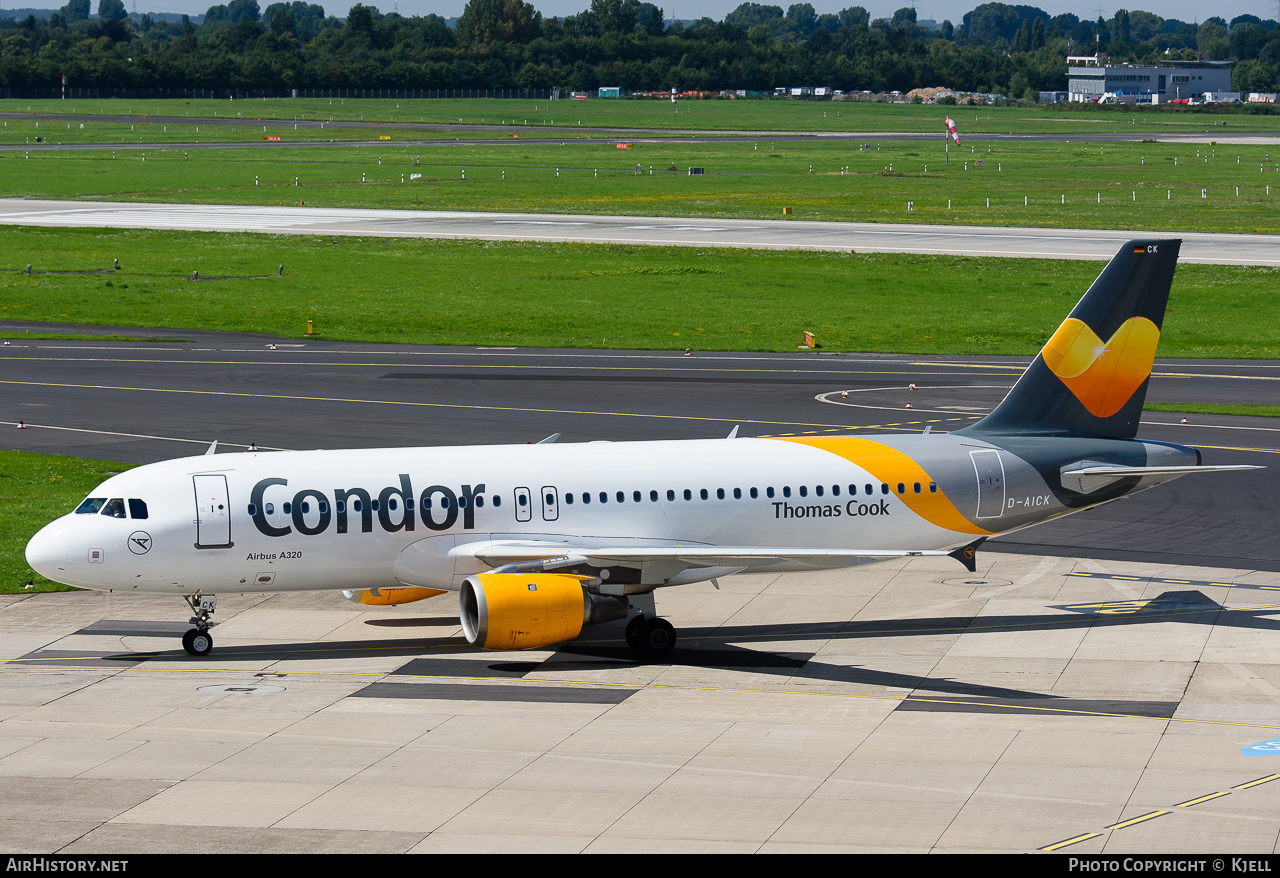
968 555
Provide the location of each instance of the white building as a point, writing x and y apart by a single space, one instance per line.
1090 77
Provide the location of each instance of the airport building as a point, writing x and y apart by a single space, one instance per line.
1090 78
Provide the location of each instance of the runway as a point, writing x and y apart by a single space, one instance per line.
139 402
1041 243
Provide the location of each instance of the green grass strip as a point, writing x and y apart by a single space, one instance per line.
34 490
1196 408
480 293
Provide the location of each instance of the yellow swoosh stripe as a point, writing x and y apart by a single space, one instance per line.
892 466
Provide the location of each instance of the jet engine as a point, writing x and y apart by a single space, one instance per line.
527 610
387 597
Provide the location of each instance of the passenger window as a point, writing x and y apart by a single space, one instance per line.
137 508
306 507
622 497
688 495
786 490
768 492
754 493
586 497
703 493
497 500
804 492
114 508
835 490
902 489
635 495
653 496
568 498
884 488
271 509
479 501
90 506
719 493
933 487
288 508
604 497
870 491
671 494
818 490
737 493
916 487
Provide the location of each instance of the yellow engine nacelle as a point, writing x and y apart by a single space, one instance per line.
388 597
526 610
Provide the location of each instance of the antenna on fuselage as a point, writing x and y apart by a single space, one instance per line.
212 448
552 438
733 434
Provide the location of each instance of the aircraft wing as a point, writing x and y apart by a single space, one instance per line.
554 555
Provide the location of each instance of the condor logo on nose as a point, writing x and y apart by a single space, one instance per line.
139 542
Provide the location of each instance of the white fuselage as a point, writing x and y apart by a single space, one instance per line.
389 517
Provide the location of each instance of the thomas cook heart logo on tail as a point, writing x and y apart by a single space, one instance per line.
1102 375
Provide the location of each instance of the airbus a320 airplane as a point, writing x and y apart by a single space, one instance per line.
542 541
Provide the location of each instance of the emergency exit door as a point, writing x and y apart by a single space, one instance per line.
990 472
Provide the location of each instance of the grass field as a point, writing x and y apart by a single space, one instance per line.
714 115
1197 408
1156 186
571 295
34 490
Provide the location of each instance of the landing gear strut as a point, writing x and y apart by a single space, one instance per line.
650 637
198 641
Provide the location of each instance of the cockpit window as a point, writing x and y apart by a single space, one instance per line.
137 508
114 508
90 506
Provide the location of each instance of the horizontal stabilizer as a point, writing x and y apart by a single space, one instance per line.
1087 479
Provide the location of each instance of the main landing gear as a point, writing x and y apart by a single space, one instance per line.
198 641
651 637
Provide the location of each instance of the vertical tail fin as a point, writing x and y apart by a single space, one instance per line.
1091 378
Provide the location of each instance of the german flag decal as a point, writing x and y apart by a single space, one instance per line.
1139 249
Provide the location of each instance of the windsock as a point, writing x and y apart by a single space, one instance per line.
951 129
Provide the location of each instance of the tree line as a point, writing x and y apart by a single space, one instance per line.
508 44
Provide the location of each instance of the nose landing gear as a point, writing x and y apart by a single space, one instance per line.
198 641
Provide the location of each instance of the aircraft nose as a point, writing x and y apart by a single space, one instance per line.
47 553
